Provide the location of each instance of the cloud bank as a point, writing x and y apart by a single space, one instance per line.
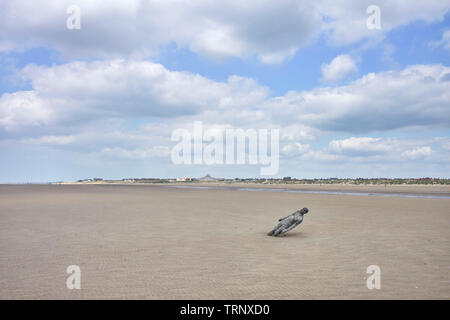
272 31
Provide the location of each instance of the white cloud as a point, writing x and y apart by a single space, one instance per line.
444 42
51 140
88 108
417 152
217 29
445 144
360 146
146 142
270 30
295 148
348 19
296 132
158 151
80 92
415 96
106 93
339 68
23 109
371 150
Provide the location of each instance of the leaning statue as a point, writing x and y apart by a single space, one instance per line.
288 223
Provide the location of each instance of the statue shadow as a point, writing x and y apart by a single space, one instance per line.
290 235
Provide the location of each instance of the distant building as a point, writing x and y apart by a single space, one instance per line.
91 180
183 179
209 178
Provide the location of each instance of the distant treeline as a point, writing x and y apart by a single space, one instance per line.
286 180
351 181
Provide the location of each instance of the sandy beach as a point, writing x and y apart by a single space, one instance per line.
156 242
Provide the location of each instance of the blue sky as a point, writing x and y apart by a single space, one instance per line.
103 100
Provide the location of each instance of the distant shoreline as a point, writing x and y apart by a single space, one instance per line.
435 194
405 190
270 185
423 190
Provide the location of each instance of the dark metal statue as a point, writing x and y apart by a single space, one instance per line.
288 223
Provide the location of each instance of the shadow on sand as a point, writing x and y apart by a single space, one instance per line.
298 234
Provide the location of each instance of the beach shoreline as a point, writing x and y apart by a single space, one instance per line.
423 189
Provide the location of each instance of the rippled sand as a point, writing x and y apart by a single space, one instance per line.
150 242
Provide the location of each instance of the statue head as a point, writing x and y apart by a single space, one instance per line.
303 211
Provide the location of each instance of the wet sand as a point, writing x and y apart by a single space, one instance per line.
152 242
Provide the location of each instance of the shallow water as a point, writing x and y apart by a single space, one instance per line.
349 193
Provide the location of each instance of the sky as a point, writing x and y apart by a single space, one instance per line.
92 88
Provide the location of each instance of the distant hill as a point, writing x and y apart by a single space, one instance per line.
209 178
